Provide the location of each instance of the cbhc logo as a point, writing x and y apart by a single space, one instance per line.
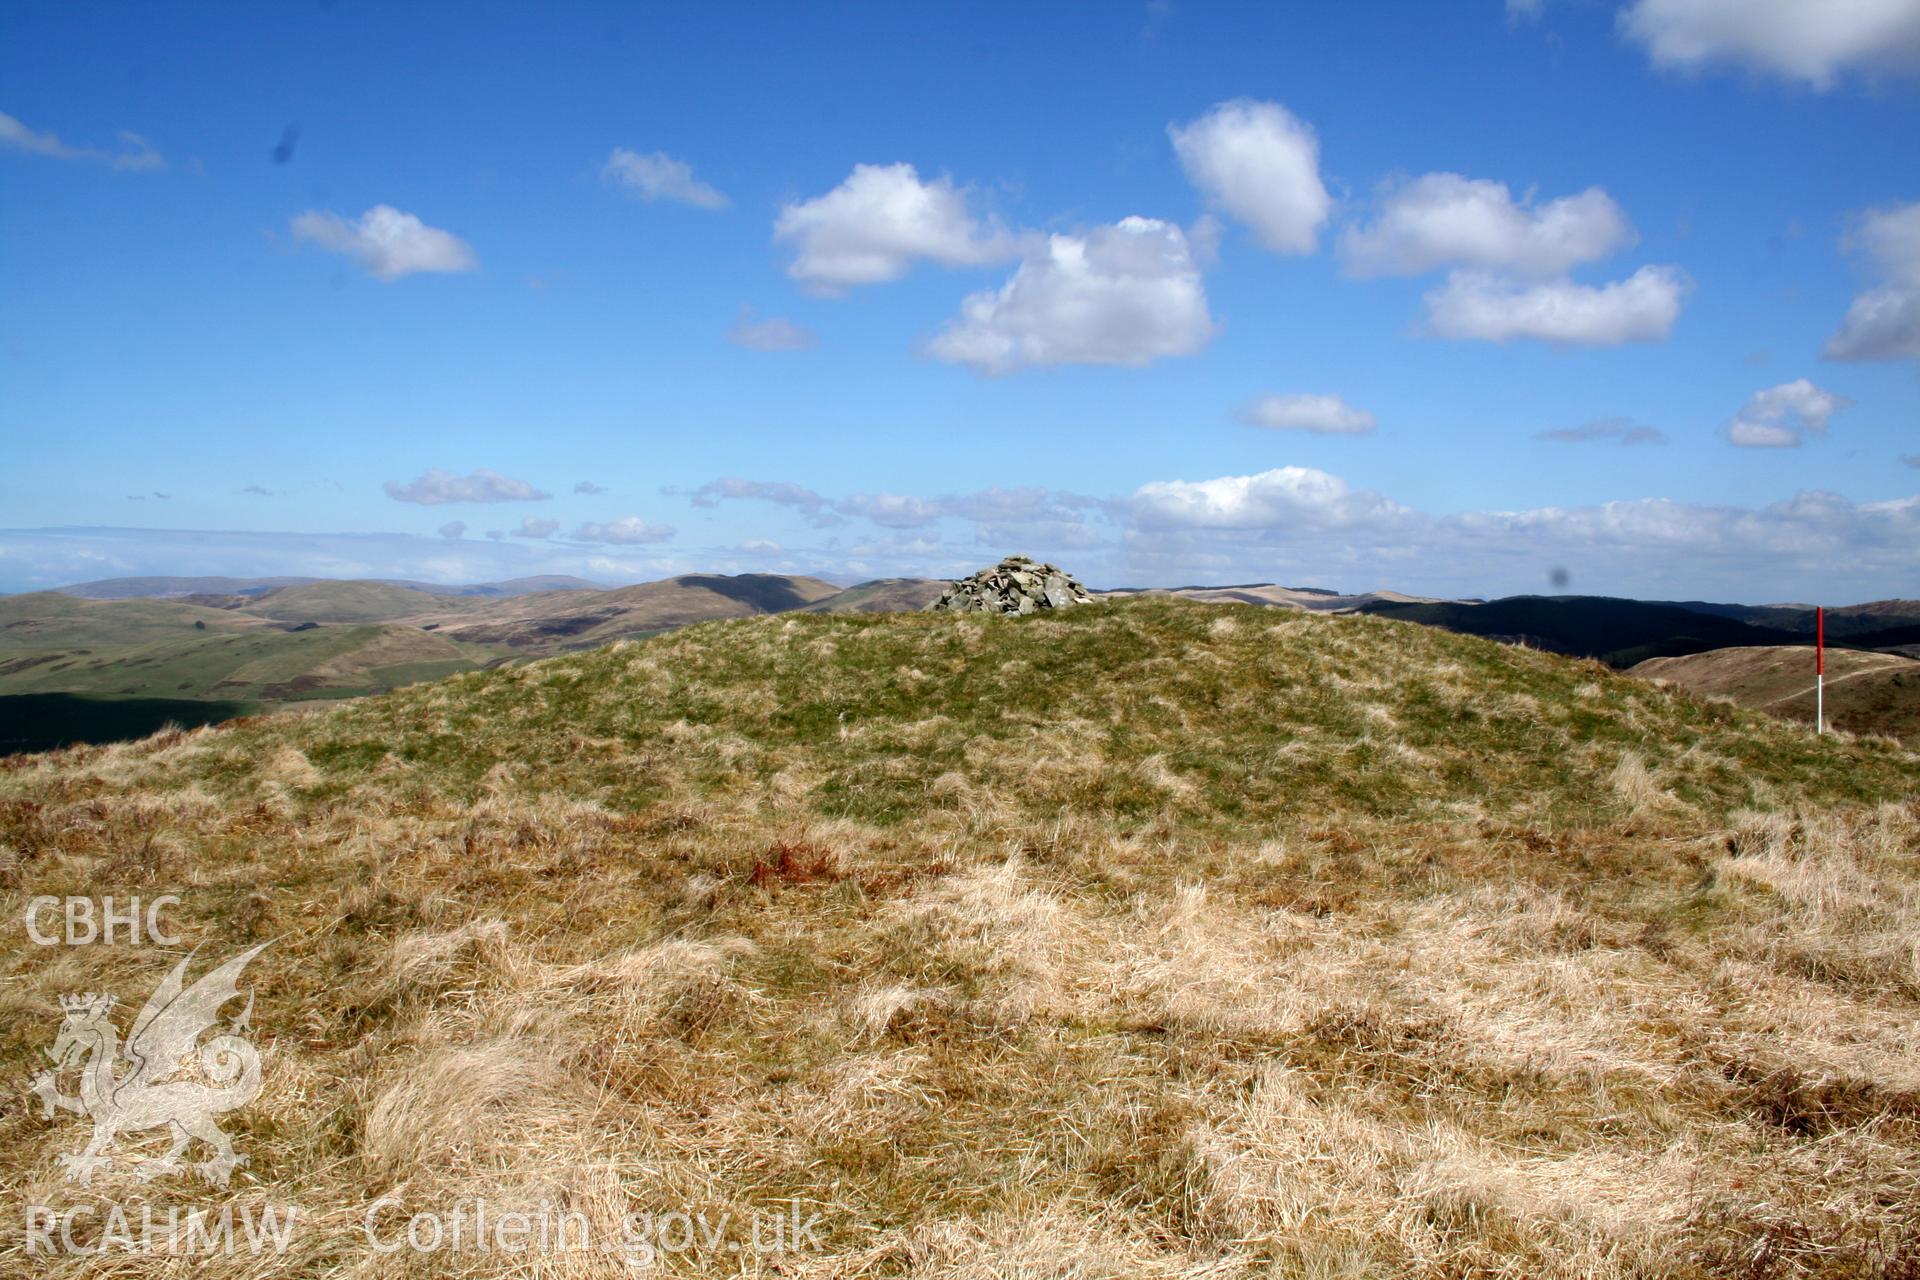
80 922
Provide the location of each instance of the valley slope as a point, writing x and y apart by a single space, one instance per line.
1866 692
91 668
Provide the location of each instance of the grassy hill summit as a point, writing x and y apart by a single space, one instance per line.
93 663
1147 937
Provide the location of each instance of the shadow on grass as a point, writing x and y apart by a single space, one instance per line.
43 721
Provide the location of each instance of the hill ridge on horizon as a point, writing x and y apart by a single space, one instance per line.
129 587
135 587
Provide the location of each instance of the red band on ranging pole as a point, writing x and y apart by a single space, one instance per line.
1819 642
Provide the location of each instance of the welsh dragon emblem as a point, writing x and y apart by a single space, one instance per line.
162 1076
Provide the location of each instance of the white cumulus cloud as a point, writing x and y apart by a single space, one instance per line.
1884 322
1127 293
1782 417
626 531
135 154
658 176
1641 308
873 227
1807 40
454 529
1322 414
1448 220
435 488
1290 497
1260 164
387 243
534 528
1509 262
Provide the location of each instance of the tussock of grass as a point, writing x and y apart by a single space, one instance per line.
1148 938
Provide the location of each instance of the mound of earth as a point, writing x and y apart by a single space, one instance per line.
1154 940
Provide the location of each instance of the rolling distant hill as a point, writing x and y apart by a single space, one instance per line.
882 595
1875 615
1618 632
562 621
341 638
527 586
53 643
164 587
1893 639
1317 599
77 668
41 620
349 602
74 670
1843 622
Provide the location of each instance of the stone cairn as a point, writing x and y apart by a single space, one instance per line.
1015 585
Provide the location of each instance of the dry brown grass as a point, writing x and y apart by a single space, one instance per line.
1156 940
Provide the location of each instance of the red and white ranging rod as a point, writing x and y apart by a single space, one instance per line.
1819 670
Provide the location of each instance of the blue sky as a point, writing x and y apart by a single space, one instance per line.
1165 293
